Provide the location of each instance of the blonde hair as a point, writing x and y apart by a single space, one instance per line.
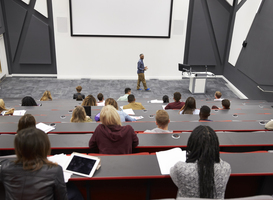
78 115
218 94
109 116
112 102
162 118
3 108
46 96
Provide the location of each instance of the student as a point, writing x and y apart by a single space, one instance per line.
125 97
89 101
204 174
218 96
162 121
123 116
4 110
32 175
101 101
165 99
176 104
225 105
133 104
79 89
79 115
26 121
46 96
110 137
28 101
189 107
204 114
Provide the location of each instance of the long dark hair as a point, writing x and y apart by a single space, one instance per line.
203 147
28 101
190 106
32 147
26 121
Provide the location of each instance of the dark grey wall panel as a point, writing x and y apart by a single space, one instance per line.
2 27
200 49
35 50
256 60
15 17
37 37
220 15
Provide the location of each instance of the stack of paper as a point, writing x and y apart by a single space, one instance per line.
156 101
137 117
44 127
61 159
19 112
167 159
129 111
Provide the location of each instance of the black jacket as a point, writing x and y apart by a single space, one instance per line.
75 96
46 183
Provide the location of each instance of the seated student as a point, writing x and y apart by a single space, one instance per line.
4 110
26 121
204 114
79 89
46 96
28 101
204 174
125 97
218 96
162 121
79 115
123 116
165 99
133 104
189 107
225 105
110 137
176 104
101 101
89 101
32 175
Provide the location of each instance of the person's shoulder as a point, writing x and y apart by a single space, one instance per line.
6 164
128 128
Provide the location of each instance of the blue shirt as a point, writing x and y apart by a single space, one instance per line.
140 66
123 117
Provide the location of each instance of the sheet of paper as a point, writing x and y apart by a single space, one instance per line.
167 159
3 112
163 106
19 112
137 117
129 111
121 107
44 127
156 101
61 159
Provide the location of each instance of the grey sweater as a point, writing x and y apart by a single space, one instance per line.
185 177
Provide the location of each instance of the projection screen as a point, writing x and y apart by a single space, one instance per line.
121 18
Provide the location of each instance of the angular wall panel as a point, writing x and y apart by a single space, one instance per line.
41 7
15 16
200 50
36 48
26 1
220 21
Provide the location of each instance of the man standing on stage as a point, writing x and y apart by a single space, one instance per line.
140 72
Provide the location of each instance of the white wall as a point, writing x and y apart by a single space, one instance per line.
3 58
116 58
243 21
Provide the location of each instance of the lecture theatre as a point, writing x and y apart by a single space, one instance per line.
136 99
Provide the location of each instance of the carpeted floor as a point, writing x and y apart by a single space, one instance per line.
64 89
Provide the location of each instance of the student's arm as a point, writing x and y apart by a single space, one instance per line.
142 107
135 138
93 143
174 174
167 107
60 192
128 118
97 117
74 96
181 109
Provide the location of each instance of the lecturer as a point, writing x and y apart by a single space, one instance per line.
140 72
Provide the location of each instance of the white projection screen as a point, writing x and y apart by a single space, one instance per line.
121 18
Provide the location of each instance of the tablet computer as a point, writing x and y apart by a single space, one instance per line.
82 165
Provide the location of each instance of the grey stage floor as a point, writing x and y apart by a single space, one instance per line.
64 89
